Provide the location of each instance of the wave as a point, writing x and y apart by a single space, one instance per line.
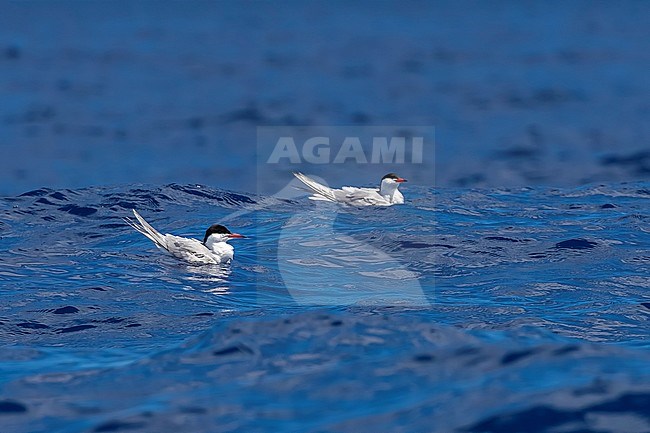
464 310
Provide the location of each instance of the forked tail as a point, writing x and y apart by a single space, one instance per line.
145 228
321 192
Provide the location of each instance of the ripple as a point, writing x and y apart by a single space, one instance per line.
11 406
519 306
576 244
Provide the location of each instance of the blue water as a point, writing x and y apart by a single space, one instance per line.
510 293
520 93
497 310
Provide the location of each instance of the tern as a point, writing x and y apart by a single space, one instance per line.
386 195
213 250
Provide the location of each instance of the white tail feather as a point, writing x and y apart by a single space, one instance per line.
321 192
146 229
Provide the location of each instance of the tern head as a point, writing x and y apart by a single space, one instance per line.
218 233
390 183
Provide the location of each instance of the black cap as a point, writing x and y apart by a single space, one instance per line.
215 228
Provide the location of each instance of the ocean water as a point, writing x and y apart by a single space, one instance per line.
511 297
465 310
520 93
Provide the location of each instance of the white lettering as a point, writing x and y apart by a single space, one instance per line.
351 148
321 154
417 150
388 153
284 148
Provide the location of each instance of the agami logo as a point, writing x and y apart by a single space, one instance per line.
321 150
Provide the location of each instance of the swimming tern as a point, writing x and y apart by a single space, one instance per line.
386 195
213 250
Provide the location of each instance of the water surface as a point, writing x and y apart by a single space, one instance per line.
496 310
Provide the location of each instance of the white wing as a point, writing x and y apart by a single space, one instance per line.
361 196
190 250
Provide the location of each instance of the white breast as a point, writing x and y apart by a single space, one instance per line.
224 251
397 198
